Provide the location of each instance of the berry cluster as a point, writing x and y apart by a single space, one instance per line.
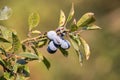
57 41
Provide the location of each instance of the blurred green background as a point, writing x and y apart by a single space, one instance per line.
104 62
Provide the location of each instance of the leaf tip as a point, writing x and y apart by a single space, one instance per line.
87 57
91 13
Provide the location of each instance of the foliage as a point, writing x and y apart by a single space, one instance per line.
16 54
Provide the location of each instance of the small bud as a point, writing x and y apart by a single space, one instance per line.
61 31
51 47
51 34
65 44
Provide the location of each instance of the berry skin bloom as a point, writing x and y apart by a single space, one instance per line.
51 47
51 34
65 44
57 40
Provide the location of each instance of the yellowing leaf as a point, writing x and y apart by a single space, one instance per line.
3 51
74 43
41 57
86 19
6 33
91 27
80 55
85 47
16 42
36 32
33 20
62 19
41 42
71 13
38 53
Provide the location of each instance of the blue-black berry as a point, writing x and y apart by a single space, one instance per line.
51 34
21 61
51 47
65 44
57 40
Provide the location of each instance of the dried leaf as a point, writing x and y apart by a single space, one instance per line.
62 19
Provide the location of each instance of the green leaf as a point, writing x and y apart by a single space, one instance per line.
62 19
2 63
71 13
23 47
26 71
3 51
46 62
63 51
35 50
74 39
5 13
91 27
4 40
39 54
73 26
6 33
22 71
16 42
28 55
7 76
42 42
85 47
86 19
2 78
20 77
16 66
33 20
